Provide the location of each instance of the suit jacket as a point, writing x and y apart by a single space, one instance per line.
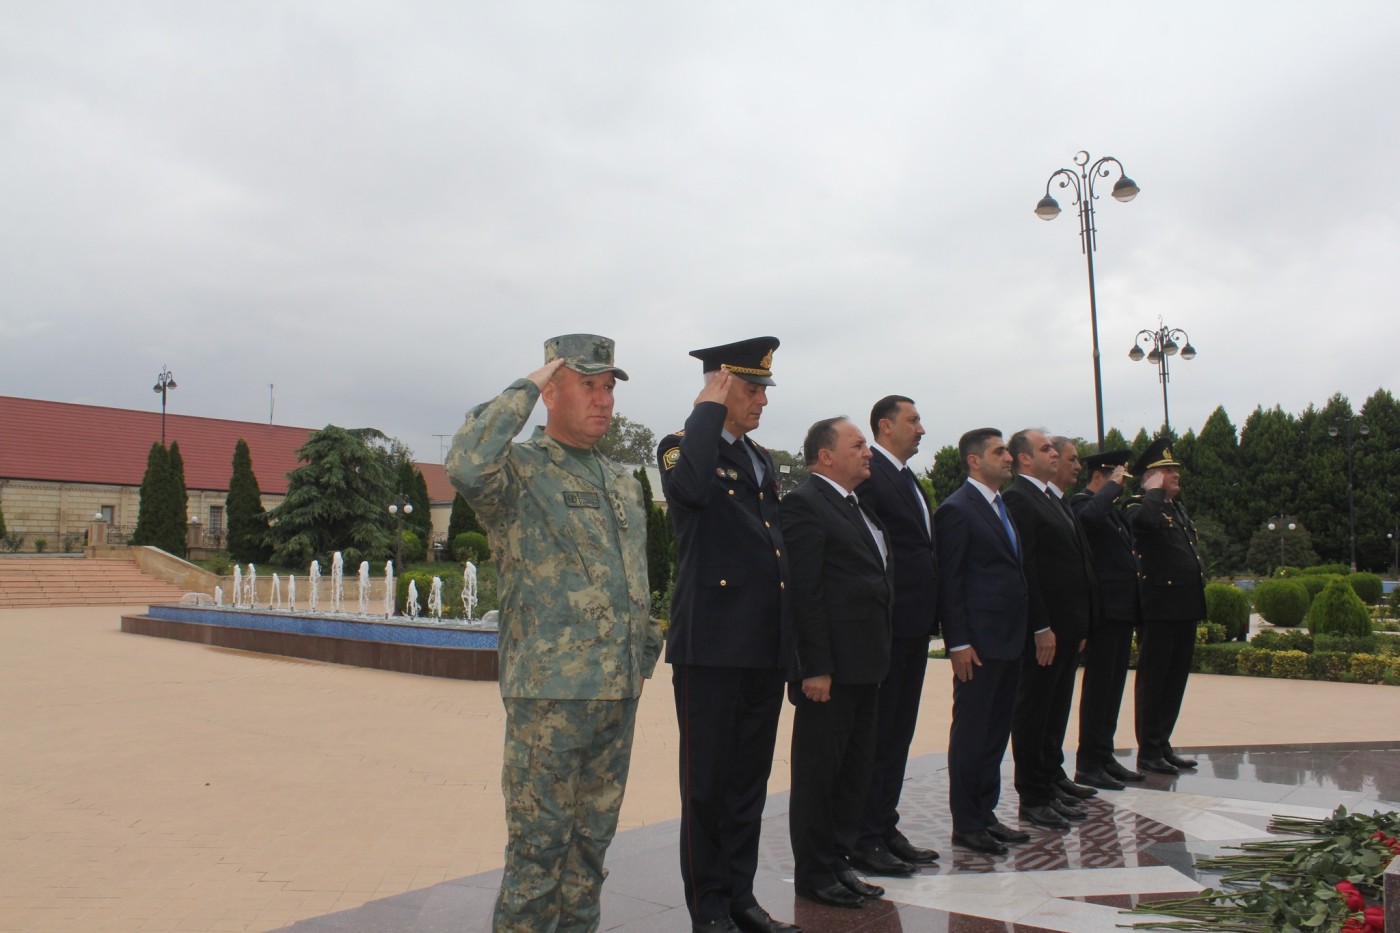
982 597
1111 545
889 495
1173 577
730 603
1063 591
842 591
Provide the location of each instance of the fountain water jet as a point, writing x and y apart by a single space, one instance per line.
337 581
315 584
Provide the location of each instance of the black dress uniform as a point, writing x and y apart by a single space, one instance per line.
1173 602
729 638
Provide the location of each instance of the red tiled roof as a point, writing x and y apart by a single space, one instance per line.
60 442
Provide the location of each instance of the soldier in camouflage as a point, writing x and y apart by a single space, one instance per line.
568 531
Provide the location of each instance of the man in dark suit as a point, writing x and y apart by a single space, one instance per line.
1063 593
896 498
1106 656
728 643
842 596
982 607
1173 602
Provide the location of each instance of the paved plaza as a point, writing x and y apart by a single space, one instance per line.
148 784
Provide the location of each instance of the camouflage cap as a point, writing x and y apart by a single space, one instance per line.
583 353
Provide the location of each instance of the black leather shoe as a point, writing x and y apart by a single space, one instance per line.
1075 790
877 860
901 848
834 895
980 841
714 926
1176 761
1073 814
856 886
1157 766
1003 833
1043 816
757 920
1098 778
1114 770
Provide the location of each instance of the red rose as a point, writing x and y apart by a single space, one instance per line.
1375 920
1354 926
1352 896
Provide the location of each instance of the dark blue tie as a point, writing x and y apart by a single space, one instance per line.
1006 523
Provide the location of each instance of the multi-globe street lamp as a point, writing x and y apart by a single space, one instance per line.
1166 341
399 508
164 383
1277 524
1335 431
1124 189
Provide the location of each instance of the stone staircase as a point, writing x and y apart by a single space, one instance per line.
71 581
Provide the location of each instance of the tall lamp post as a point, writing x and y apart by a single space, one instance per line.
1335 431
1124 189
1166 341
399 508
1277 524
1394 537
164 383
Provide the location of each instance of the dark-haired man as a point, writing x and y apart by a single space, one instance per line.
894 495
982 607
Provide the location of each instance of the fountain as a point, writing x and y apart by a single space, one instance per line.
219 596
337 581
237 586
469 598
389 592
435 600
363 588
315 585
411 602
276 601
292 591
252 587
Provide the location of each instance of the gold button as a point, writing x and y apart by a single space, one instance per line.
731 492
760 495
779 553
766 525
782 585
724 583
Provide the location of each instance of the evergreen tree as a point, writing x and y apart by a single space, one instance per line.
149 511
1113 439
247 519
1268 474
1139 444
1212 467
1319 493
2 523
420 520
946 474
462 519
660 542
422 505
1280 547
337 501
1377 493
177 503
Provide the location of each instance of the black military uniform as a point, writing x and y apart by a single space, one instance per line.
1106 656
1173 602
729 639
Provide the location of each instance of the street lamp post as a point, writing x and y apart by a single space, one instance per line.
164 383
1124 189
1394 537
1166 341
1335 431
399 508
1277 524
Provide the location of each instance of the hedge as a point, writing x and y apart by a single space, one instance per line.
1281 602
1228 605
1337 610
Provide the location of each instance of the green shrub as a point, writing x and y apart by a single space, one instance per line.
451 593
1218 658
1369 668
219 564
1281 602
40 545
1329 665
1392 673
1337 610
1229 606
1210 633
413 549
1286 640
1368 586
1314 583
471 546
1356 644
1325 570
1254 662
1287 571
1290 664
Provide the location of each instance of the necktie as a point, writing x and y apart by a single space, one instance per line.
872 538
918 495
1006 523
1061 506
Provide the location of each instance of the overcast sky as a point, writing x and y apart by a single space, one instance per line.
384 209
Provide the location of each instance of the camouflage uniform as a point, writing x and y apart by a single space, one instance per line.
576 640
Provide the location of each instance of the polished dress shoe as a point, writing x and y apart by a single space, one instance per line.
877 860
713 926
833 895
1114 770
979 841
1098 778
855 885
1003 833
756 920
1175 760
1075 790
906 851
1043 816
1073 814
1157 766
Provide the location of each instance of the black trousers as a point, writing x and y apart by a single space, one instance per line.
833 753
1164 663
896 718
1101 692
1043 702
728 719
981 725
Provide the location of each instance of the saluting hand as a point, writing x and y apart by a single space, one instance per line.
1120 473
545 373
1154 480
716 387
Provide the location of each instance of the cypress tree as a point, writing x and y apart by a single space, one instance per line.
659 545
247 519
462 519
422 508
177 503
149 512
